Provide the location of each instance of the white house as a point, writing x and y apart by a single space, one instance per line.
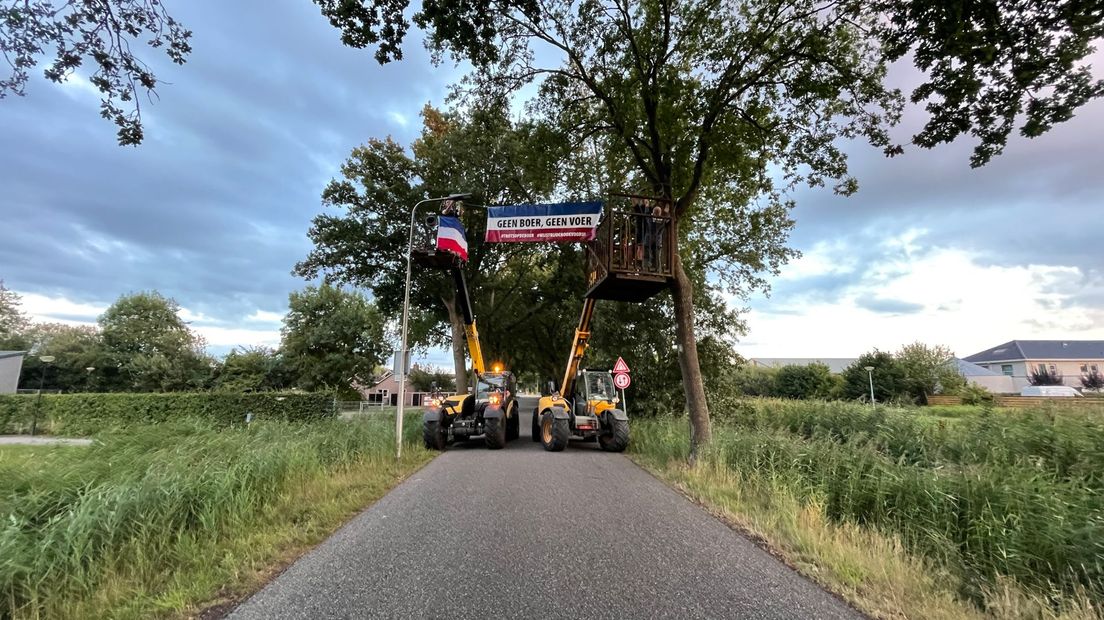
1019 358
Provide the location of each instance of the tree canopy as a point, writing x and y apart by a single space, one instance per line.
148 347
102 33
332 338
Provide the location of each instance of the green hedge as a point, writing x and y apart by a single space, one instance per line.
83 414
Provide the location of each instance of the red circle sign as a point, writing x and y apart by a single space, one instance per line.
621 381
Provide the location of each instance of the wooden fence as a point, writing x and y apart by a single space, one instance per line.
1023 402
944 400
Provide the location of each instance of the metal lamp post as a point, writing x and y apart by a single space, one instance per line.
46 361
405 316
870 376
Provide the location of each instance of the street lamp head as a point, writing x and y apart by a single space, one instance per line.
49 359
464 196
868 368
90 368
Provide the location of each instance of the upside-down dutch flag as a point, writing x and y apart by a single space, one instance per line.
450 236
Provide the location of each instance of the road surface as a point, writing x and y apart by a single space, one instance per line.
524 533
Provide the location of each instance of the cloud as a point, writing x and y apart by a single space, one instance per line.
888 306
48 309
264 316
937 295
214 207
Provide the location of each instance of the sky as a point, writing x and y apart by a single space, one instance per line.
213 208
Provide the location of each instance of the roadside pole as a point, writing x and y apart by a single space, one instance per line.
405 318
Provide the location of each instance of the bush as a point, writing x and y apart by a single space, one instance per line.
888 377
803 382
1046 377
84 414
1093 380
974 394
751 381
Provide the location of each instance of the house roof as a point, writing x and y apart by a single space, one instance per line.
966 369
4 354
1081 350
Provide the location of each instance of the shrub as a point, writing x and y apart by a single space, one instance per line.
753 381
1046 377
803 382
83 414
888 377
974 394
1093 380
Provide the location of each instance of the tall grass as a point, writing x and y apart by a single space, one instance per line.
138 503
992 499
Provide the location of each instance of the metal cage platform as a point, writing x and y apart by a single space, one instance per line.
632 255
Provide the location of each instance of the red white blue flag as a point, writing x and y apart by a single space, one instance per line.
565 221
450 236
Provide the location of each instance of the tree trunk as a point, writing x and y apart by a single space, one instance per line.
459 345
682 293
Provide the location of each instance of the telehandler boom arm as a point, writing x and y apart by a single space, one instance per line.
470 330
578 347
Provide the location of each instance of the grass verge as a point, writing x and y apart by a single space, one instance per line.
791 492
159 521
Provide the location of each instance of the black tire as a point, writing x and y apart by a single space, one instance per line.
536 426
554 433
513 425
494 432
618 437
434 436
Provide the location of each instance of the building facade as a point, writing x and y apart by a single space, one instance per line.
1018 359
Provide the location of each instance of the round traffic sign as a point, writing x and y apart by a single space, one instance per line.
621 380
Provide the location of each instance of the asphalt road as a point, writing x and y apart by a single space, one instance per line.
524 533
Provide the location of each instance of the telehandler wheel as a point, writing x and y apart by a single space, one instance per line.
617 439
536 426
434 435
553 433
494 432
513 425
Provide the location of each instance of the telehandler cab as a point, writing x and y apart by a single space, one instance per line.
489 407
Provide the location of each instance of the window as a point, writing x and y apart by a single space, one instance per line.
985 366
1042 369
1084 368
1006 369
1095 368
1053 368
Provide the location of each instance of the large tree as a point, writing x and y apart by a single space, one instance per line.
149 348
332 338
103 33
739 100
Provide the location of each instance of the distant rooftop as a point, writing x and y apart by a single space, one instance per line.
1041 350
967 369
4 354
834 364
